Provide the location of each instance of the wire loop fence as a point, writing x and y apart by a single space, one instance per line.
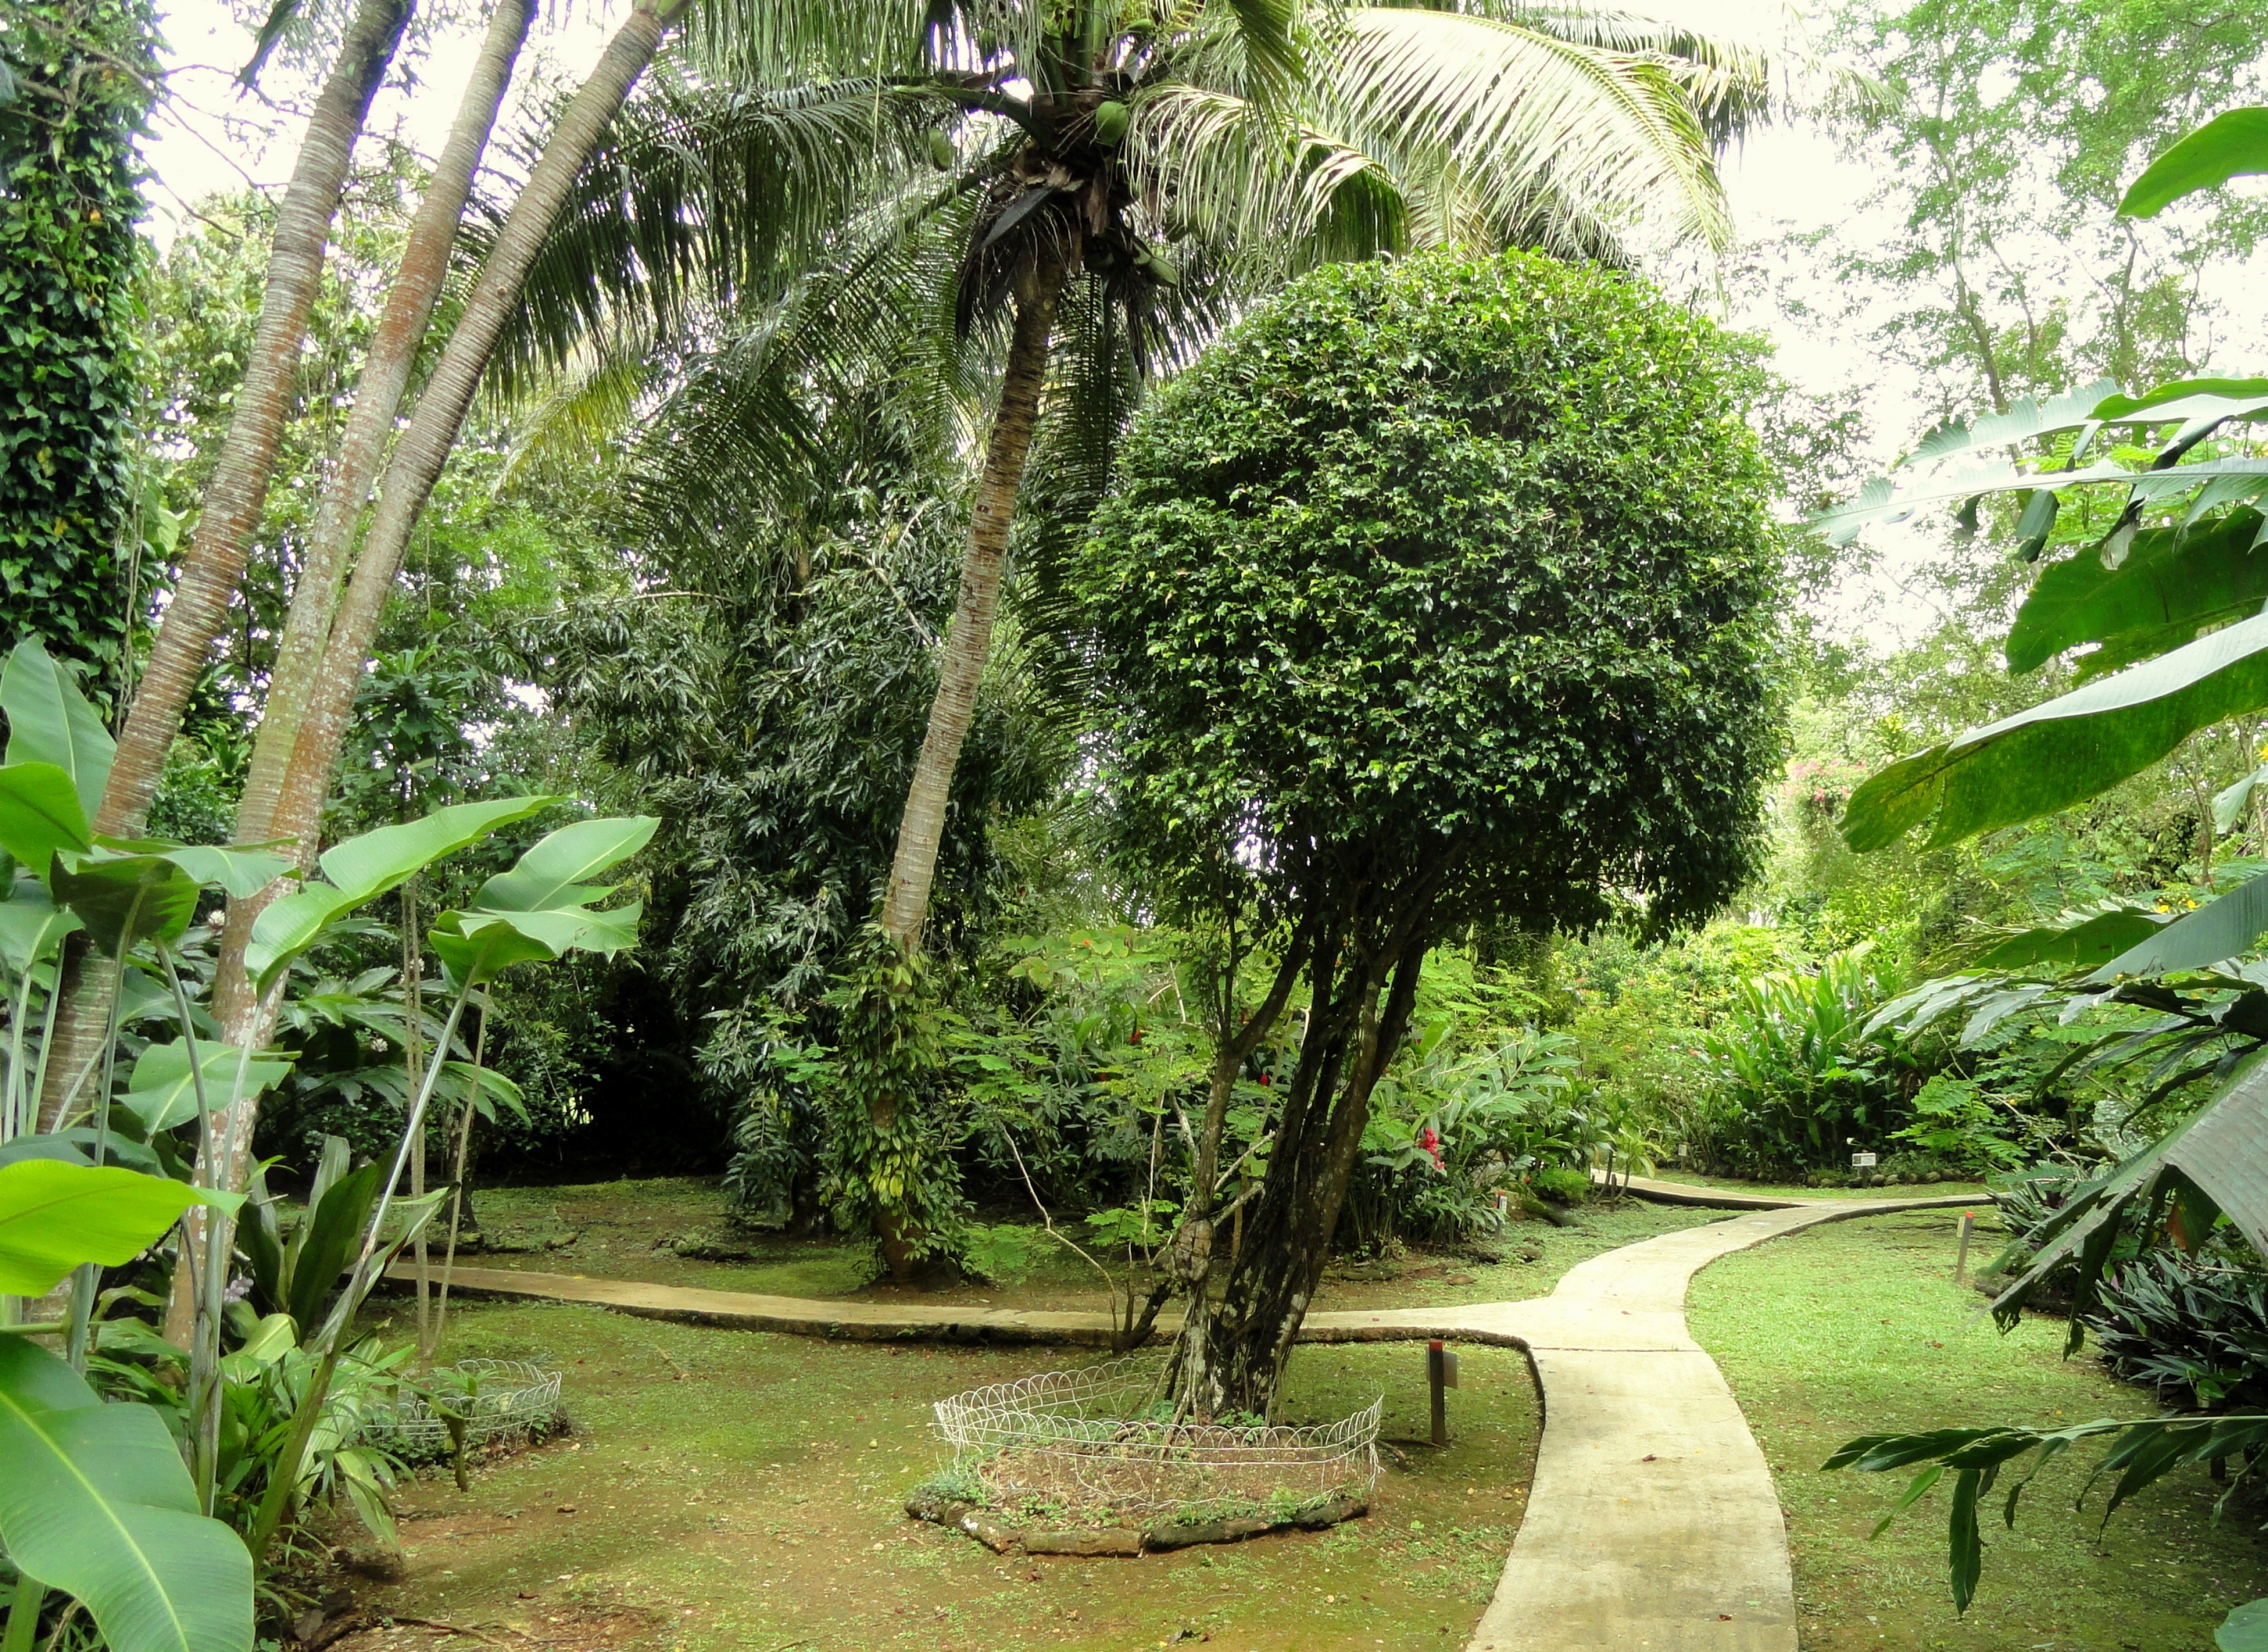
1094 1440
498 1399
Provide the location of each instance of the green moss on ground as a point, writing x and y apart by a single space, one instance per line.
740 1490
1858 1328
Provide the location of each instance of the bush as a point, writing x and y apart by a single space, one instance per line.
1795 1076
1561 1185
2195 1330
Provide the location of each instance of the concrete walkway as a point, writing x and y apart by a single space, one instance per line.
1652 1522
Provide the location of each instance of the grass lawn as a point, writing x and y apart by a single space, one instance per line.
728 1489
1858 1328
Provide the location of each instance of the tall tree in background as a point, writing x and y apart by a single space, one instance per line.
75 81
2003 145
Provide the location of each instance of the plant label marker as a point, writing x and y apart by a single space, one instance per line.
1960 1263
1862 1160
1440 1377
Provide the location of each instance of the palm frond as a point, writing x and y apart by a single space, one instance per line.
703 195
1554 144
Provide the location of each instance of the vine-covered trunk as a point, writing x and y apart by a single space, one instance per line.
968 645
229 510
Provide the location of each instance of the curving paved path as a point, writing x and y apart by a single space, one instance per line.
1652 1522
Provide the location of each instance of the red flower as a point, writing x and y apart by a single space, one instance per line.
1432 1142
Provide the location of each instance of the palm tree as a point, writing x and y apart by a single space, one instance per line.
1120 175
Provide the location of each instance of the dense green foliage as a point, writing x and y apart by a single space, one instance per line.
77 77
1446 570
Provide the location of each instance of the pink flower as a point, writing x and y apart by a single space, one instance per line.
1431 1142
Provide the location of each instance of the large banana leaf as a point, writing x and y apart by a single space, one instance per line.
39 814
50 722
94 1502
2220 929
2094 937
55 1215
238 873
2228 146
31 926
540 910
162 1091
2171 584
362 868
127 900
2067 750
552 873
2215 1162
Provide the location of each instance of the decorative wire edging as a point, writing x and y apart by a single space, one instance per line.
1082 1438
501 1397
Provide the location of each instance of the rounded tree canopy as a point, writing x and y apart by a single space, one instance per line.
1458 564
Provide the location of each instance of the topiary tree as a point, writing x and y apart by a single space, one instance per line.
1438 593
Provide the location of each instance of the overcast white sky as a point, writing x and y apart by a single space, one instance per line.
210 138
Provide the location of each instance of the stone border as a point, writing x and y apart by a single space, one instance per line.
1160 1536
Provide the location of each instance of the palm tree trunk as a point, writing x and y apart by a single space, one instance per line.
421 452
378 398
969 646
234 498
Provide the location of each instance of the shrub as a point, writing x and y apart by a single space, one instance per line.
2193 1329
1561 1185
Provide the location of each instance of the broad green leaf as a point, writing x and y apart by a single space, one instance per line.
2094 939
2067 751
2231 145
238 873
554 872
2230 802
31 926
480 956
2218 930
127 900
1882 500
326 1242
39 814
2245 1629
2187 398
571 929
162 1091
372 864
94 1502
367 866
50 722
2021 423
2169 586
54 1215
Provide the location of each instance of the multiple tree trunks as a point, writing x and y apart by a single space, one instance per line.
1160 1536
231 505
1363 974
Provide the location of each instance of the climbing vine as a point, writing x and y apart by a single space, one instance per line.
76 82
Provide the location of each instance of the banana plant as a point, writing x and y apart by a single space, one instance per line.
540 910
94 1500
2173 609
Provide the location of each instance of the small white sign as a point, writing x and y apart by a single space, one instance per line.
1862 1160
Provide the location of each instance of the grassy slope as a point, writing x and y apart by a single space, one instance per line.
1858 1328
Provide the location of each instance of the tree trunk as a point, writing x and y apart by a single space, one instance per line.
386 372
238 491
969 646
423 451
1310 1169
416 287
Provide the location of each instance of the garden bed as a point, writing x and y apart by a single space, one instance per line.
1089 1462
